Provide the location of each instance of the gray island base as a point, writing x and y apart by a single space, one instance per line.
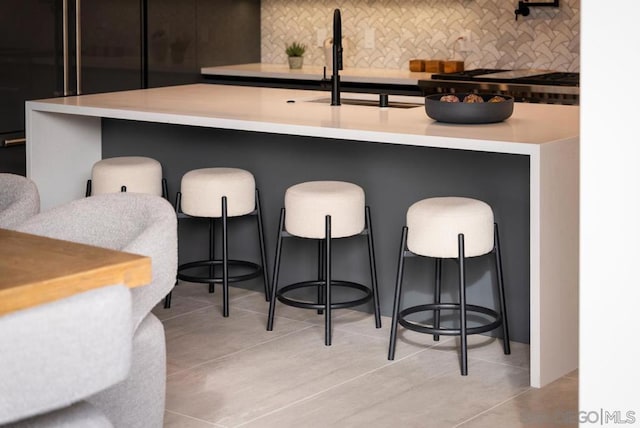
526 168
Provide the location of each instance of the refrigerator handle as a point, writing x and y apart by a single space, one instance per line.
78 50
65 47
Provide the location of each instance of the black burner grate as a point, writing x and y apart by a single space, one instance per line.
554 78
466 74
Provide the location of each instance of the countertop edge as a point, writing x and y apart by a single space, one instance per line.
338 123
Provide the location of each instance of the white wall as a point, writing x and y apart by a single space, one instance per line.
610 222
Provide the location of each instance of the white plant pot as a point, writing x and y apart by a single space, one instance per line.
295 61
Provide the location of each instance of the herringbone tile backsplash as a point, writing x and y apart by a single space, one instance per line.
549 38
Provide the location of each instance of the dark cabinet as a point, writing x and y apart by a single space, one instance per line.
186 35
52 48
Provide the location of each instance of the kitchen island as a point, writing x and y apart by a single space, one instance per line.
525 167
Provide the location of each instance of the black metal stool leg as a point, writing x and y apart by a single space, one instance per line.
436 297
396 299
178 203
167 301
167 298
165 191
321 268
212 253
263 254
276 271
87 192
372 266
225 260
327 302
463 307
503 302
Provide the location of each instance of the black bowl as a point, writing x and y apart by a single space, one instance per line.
468 113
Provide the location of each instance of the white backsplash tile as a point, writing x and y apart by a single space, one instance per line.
549 38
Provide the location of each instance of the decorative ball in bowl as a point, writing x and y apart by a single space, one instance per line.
468 108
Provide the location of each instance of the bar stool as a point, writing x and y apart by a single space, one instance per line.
324 210
220 193
135 174
450 228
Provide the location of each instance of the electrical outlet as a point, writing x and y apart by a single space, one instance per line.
321 36
370 38
464 43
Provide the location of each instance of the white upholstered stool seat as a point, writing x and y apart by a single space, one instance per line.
325 210
202 191
450 228
219 194
134 174
308 204
434 225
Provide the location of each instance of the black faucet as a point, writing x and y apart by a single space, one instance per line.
337 58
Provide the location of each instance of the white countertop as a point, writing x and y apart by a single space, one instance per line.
312 72
268 110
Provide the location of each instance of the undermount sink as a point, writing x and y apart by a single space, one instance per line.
367 102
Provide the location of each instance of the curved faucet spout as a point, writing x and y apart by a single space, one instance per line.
337 58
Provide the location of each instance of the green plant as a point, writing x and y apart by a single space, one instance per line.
296 49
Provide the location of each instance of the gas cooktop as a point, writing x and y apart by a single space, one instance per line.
524 76
524 85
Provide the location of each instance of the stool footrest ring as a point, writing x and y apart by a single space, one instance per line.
368 295
421 328
256 271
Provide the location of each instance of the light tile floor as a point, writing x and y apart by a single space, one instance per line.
231 372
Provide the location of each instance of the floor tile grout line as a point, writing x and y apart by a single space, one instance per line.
239 351
315 394
343 328
334 318
207 305
385 338
185 313
253 311
502 363
213 424
471 357
346 329
493 407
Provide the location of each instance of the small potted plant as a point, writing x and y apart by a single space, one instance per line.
295 51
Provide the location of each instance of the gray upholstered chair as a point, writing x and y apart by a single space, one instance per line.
141 224
56 355
19 200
